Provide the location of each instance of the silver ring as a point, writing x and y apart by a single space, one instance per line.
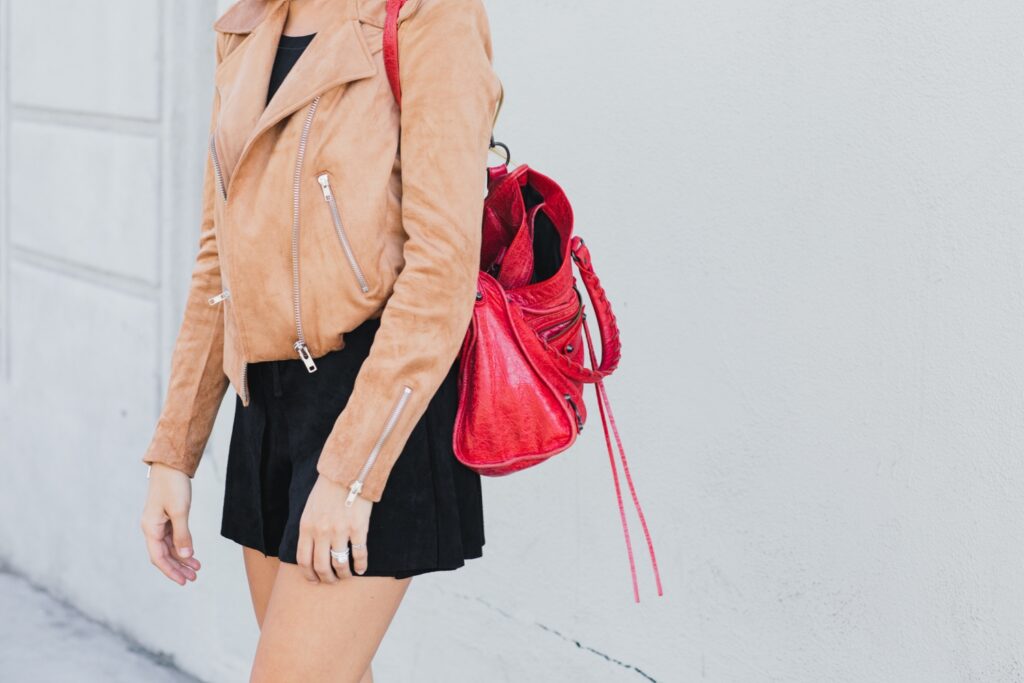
357 546
340 556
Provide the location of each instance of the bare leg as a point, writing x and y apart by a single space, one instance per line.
261 571
319 632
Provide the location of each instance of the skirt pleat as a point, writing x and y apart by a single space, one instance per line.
430 516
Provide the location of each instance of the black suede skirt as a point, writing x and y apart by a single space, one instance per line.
430 516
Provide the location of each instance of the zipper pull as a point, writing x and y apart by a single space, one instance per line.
304 354
213 300
353 491
325 185
579 418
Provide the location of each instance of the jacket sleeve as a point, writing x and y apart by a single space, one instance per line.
197 382
449 95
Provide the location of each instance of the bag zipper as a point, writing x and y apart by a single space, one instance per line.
325 185
568 326
300 343
216 167
357 485
579 418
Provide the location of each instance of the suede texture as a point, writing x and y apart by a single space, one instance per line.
409 187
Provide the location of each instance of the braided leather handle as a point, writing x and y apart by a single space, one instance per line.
611 343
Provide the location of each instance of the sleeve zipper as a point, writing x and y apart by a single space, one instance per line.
357 485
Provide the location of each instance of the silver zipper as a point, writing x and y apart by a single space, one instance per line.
220 297
245 381
226 293
325 185
300 343
213 300
357 485
216 168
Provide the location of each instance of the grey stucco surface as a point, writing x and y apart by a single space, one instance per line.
45 640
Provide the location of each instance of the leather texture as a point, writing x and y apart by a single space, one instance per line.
393 8
522 362
401 242
522 368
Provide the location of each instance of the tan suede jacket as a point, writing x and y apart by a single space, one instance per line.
330 206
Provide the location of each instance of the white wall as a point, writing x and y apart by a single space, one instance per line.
808 216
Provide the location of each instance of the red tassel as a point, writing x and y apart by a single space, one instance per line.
602 404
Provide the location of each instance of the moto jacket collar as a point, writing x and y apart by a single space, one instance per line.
243 16
337 55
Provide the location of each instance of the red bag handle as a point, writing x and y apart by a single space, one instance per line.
392 9
611 344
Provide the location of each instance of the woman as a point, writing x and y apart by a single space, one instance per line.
334 283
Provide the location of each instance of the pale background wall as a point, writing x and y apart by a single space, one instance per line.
809 218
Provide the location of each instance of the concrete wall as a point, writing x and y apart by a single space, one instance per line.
808 217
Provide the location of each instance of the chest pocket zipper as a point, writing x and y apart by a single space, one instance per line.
332 204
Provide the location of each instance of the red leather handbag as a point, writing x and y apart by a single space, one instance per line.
522 364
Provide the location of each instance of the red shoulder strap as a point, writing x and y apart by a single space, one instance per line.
391 47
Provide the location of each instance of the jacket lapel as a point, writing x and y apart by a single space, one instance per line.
337 54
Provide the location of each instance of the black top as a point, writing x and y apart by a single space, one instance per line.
289 48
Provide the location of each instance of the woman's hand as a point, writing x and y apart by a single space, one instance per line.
165 523
328 523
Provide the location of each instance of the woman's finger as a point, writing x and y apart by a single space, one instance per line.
341 567
360 555
304 552
187 566
322 556
181 537
191 562
161 559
